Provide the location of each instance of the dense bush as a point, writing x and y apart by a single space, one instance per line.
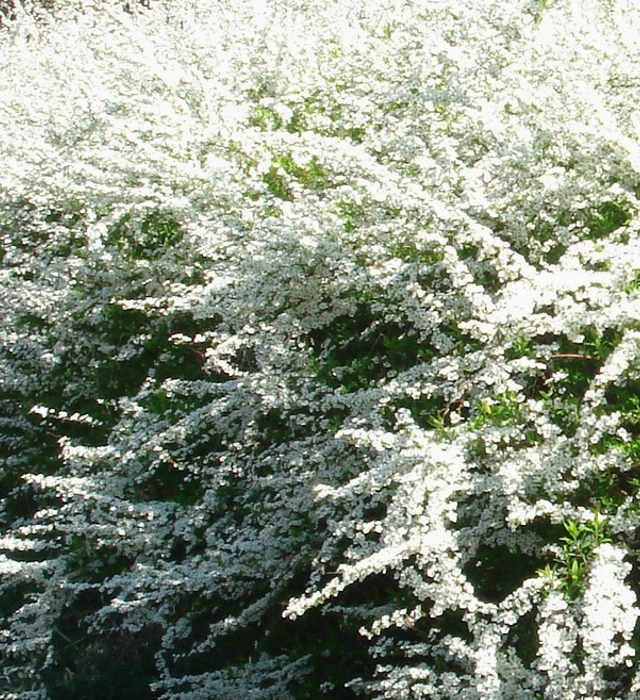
320 350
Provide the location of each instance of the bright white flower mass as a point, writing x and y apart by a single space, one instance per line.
319 366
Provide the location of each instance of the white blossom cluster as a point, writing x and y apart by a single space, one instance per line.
320 350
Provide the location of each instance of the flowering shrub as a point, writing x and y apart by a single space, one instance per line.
320 350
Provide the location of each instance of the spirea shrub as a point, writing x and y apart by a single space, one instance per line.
320 350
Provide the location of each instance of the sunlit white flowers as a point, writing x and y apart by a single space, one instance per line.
319 364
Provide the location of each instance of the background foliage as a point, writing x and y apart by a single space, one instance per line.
320 351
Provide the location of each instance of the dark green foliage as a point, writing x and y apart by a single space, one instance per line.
286 171
358 350
115 665
607 491
570 569
428 412
333 642
482 270
170 483
496 571
523 639
607 218
145 237
88 560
